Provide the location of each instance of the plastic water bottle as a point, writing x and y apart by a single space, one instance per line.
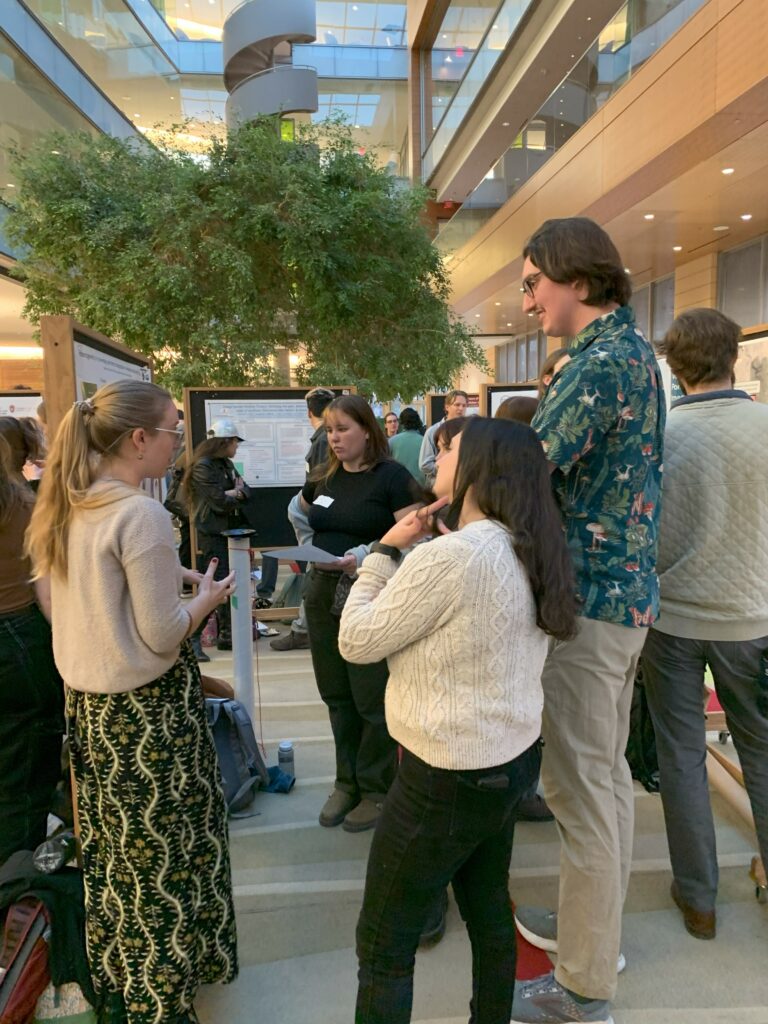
285 758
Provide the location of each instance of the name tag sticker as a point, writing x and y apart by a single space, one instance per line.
324 500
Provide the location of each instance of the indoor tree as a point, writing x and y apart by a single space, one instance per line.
210 264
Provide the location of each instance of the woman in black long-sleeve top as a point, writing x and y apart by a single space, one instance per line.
215 493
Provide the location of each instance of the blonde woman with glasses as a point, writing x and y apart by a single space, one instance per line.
159 915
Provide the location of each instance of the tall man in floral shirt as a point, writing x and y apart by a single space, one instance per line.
602 428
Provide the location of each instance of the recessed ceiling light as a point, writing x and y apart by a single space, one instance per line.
137 115
509 325
728 170
497 303
721 227
10 185
505 124
530 314
746 216
627 270
477 314
649 216
677 248
444 36
56 152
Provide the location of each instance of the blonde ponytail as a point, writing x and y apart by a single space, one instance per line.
89 430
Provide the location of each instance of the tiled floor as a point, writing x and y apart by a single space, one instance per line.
298 889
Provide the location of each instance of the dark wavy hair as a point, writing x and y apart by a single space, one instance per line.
568 249
377 446
448 429
210 448
504 464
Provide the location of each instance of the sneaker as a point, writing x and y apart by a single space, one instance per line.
534 808
291 641
336 808
545 1001
539 927
365 815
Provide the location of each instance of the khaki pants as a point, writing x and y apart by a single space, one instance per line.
587 783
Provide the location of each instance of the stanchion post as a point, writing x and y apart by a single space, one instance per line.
239 545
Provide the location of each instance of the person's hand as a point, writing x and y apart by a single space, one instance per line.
216 591
191 576
232 492
415 526
348 564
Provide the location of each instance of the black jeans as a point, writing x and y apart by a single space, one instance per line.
441 826
366 755
31 729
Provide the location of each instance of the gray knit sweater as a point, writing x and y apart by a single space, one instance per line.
713 539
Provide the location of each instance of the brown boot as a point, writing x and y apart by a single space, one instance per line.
336 808
698 923
365 815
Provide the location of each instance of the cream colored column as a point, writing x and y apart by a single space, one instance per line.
696 284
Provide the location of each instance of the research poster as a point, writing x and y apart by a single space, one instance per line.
94 368
277 435
497 397
20 404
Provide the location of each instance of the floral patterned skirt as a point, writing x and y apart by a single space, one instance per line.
159 914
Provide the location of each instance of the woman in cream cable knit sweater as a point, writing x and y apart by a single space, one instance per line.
463 623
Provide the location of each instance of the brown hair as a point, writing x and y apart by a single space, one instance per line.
448 429
701 346
548 368
210 448
376 447
521 408
570 249
451 396
13 491
25 439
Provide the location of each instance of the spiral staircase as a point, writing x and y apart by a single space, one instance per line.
258 73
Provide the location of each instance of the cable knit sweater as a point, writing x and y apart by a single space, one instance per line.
118 619
457 624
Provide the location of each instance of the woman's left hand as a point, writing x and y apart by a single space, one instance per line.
415 526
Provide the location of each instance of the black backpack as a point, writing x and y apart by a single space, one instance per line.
641 743
240 761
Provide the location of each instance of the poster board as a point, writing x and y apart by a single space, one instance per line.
435 406
20 403
78 361
493 395
277 432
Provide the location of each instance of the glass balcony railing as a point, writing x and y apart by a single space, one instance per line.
482 64
638 30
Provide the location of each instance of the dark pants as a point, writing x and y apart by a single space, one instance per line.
185 544
366 755
441 826
268 581
31 729
674 680
213 545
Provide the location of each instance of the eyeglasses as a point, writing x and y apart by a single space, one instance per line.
530 282
178 433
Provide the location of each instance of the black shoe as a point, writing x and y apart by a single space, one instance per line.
224 643
260 603
534 808
197 649
434 929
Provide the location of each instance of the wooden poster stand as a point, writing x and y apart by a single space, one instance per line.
273 530
70 350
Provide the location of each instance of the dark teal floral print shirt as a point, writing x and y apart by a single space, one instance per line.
602 425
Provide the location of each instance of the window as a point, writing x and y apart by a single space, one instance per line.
743 283
518 361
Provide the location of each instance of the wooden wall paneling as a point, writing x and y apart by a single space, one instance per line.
696 283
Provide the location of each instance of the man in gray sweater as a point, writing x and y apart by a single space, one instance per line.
713 571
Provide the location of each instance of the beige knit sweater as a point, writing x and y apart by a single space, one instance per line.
118 619
456 622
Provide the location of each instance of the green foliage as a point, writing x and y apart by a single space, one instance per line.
210 264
